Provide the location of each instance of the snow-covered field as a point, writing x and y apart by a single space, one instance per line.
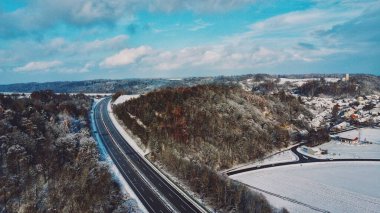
339 150
332 186
123 98
282 157
369 134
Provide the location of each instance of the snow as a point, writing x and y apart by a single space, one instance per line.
329 186
338 150
126 189
123 98
282 157
125 135
302 81
341 150
141 152
183 186
370 134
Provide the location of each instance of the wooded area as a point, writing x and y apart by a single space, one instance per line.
48 160
195 131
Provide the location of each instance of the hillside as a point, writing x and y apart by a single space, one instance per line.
195 131
48 160
219 126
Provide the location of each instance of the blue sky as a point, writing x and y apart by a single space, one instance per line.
54 40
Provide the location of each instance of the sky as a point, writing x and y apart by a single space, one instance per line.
71 40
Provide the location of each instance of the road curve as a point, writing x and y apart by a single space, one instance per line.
154 192
302 159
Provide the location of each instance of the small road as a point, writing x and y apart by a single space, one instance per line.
302 159
155 193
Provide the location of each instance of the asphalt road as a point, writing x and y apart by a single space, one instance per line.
302 159
153 191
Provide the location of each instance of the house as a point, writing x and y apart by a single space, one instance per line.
340 126
354 116
349 112
349 140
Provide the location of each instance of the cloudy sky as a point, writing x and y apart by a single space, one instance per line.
54 40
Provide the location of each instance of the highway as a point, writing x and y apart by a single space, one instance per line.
153 191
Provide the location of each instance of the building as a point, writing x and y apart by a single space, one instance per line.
346 78
354 116
340 126
348 140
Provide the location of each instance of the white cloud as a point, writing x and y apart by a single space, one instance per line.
77 69
39 15
213 57
196 5
199 24
38 66
113 42
126 56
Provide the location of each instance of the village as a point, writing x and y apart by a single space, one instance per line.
352 122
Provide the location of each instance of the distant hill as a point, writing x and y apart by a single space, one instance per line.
131 86
90 86
356 85
256 82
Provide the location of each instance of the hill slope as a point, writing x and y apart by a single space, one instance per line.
195 131
218 126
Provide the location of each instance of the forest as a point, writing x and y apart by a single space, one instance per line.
356 86
197 131
48 159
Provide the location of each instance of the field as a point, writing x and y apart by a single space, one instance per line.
369 134
282 157
329 187
339 150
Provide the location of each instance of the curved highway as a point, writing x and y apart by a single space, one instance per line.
154 192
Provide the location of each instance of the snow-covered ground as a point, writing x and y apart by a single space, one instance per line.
123 98
300 82
282 157
369 134
122 130
339 150
332 186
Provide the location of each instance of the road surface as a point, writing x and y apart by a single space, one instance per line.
154 192
302 159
